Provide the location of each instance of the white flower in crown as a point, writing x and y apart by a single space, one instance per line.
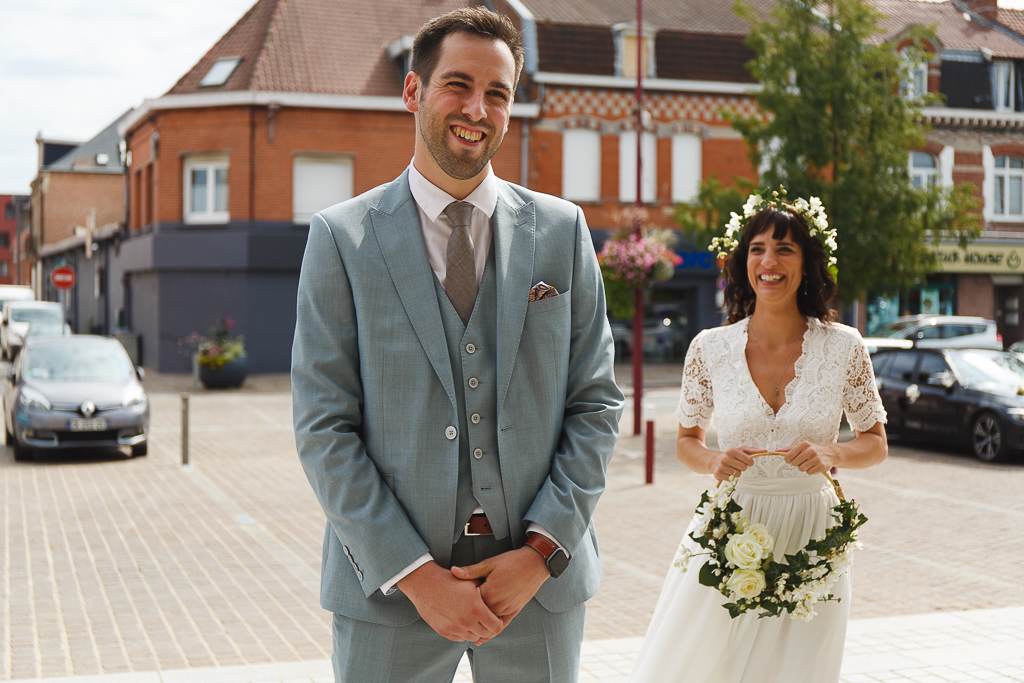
752 206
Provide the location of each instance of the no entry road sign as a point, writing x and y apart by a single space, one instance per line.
63 277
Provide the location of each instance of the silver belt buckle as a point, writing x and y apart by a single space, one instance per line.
467 532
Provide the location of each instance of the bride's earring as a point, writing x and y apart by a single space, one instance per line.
805 284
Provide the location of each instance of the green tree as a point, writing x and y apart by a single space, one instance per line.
834 125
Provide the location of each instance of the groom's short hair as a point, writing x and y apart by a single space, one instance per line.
480 21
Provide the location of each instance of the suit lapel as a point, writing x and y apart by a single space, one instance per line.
396 225
514 225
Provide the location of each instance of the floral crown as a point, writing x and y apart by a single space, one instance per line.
811 211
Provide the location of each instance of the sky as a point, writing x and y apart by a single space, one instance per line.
68 68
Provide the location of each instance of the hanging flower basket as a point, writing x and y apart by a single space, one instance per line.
632 261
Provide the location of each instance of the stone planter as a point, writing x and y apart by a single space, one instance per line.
228 376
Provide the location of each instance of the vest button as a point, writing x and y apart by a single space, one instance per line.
451 433
476 418
478 454
470 348
473 383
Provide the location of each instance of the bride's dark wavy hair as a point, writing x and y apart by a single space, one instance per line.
740 300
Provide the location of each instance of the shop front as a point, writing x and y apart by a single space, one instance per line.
986 279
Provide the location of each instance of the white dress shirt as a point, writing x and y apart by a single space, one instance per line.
431 202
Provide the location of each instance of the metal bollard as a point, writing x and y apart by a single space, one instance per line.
650 452
184 429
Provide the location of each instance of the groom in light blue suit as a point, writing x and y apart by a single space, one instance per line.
454 401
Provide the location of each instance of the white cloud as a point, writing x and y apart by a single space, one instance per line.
70 67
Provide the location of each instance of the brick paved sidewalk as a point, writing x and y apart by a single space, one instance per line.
112 565
982 646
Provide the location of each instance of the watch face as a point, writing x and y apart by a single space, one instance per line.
558 563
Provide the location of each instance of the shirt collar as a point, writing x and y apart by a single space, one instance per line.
433 200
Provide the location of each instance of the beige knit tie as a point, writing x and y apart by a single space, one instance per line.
460 270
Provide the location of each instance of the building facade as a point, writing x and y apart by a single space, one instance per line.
224 171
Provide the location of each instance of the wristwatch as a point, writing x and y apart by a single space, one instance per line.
554 557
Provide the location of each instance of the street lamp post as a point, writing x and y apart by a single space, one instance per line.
638 315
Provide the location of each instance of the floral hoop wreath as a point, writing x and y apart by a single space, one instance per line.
741 565
811 211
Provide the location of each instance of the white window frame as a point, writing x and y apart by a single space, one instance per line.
627 167
930 176
947 159
1004 85
918 85
211 164
301 215
581 165
628 30
1007 175
687 166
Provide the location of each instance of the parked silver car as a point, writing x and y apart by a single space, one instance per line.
940 332
18 316
75 391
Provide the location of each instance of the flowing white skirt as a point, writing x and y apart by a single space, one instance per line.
692 639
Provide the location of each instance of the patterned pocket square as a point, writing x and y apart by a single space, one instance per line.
541 290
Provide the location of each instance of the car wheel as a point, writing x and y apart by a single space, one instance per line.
140 449
987 438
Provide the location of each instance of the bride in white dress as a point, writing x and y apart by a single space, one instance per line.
778 378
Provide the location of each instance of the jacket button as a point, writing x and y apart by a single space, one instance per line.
476 418
473 383
470 348
478 454
451 433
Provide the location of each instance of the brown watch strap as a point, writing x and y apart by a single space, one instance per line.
542 544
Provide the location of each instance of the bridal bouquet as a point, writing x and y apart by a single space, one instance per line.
742 567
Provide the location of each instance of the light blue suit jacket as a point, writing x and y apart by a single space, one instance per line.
373 393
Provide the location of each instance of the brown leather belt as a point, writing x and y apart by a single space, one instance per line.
478 526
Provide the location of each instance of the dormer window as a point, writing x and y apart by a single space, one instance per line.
220 72
1004 86
400 52
917 84
625 50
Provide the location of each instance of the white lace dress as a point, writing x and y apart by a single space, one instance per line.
691 638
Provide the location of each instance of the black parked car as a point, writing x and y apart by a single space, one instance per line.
971 396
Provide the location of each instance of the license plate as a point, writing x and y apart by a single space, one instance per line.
95 425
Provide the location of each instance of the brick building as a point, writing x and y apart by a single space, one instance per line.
77 208
299 106
8 237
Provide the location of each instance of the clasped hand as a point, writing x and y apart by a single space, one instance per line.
475 603
806 457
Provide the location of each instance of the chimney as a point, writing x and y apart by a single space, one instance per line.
986 9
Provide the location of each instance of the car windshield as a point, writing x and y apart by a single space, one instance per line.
978 367
31 315
896 329
81 362
46 328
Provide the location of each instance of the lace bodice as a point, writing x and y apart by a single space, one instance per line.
833 374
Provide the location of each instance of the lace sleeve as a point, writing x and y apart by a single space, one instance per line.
861 401
695 400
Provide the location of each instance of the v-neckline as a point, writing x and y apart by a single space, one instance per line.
796 369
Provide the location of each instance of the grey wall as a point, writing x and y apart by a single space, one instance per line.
180 279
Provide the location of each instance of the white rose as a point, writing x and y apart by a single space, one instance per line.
746 583
744 551
764 539
739 522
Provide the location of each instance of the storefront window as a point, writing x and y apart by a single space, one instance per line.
937 296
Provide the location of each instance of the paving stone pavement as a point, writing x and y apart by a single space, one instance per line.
140 568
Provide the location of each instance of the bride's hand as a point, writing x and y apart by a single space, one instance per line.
733 461
810 457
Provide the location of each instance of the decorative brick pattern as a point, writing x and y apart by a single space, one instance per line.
613 105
